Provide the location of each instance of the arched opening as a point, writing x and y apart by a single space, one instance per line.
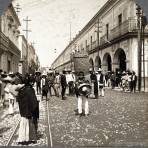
97 63
91 62
107 62
120 60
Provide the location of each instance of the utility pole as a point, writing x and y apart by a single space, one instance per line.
70 31
33 43
98 40
27 31
143 25
139 46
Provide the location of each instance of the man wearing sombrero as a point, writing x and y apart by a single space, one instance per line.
83 90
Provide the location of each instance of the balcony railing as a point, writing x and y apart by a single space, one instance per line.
87 48
94 45
103 39
126 27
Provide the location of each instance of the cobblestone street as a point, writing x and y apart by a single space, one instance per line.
118 119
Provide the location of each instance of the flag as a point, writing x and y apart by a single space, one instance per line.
4 5
144 6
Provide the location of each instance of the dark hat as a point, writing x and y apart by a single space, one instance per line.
37 72
84 89
1 70
3 75
8 79
81 73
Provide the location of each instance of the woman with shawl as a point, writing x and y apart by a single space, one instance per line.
27 102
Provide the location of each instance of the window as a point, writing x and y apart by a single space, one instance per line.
107 30
91 42
119 19
9 66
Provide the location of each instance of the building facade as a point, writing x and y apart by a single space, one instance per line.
33 60
110 39
23 64
9 32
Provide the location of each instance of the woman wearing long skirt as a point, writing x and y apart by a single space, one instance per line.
8 94
27 105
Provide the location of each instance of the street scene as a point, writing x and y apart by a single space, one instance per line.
68 79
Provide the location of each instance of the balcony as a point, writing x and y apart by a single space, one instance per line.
87 48
94 45
103 39
126 27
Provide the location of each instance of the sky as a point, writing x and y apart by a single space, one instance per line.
50 23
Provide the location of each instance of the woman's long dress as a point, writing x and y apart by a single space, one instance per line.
27 104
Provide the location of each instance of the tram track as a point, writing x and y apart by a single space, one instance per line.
10 140
49 135
49 142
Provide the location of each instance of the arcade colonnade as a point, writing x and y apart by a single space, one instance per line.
110 62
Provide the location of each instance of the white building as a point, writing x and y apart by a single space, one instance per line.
116 26
9 51
23 64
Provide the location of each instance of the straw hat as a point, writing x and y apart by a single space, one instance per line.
84 89
99 69
11 74
44 74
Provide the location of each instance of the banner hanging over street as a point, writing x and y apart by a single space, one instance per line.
4 5
144 5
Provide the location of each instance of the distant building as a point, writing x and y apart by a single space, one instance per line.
110 39
23 64
33 60
9 32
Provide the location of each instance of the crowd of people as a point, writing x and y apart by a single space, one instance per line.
126 80
25 89
17 88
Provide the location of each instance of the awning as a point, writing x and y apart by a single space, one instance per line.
4 5
144 6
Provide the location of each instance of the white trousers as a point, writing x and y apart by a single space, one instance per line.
23 130
100 91
81 101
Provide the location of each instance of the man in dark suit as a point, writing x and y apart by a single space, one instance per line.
63 84
133 82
